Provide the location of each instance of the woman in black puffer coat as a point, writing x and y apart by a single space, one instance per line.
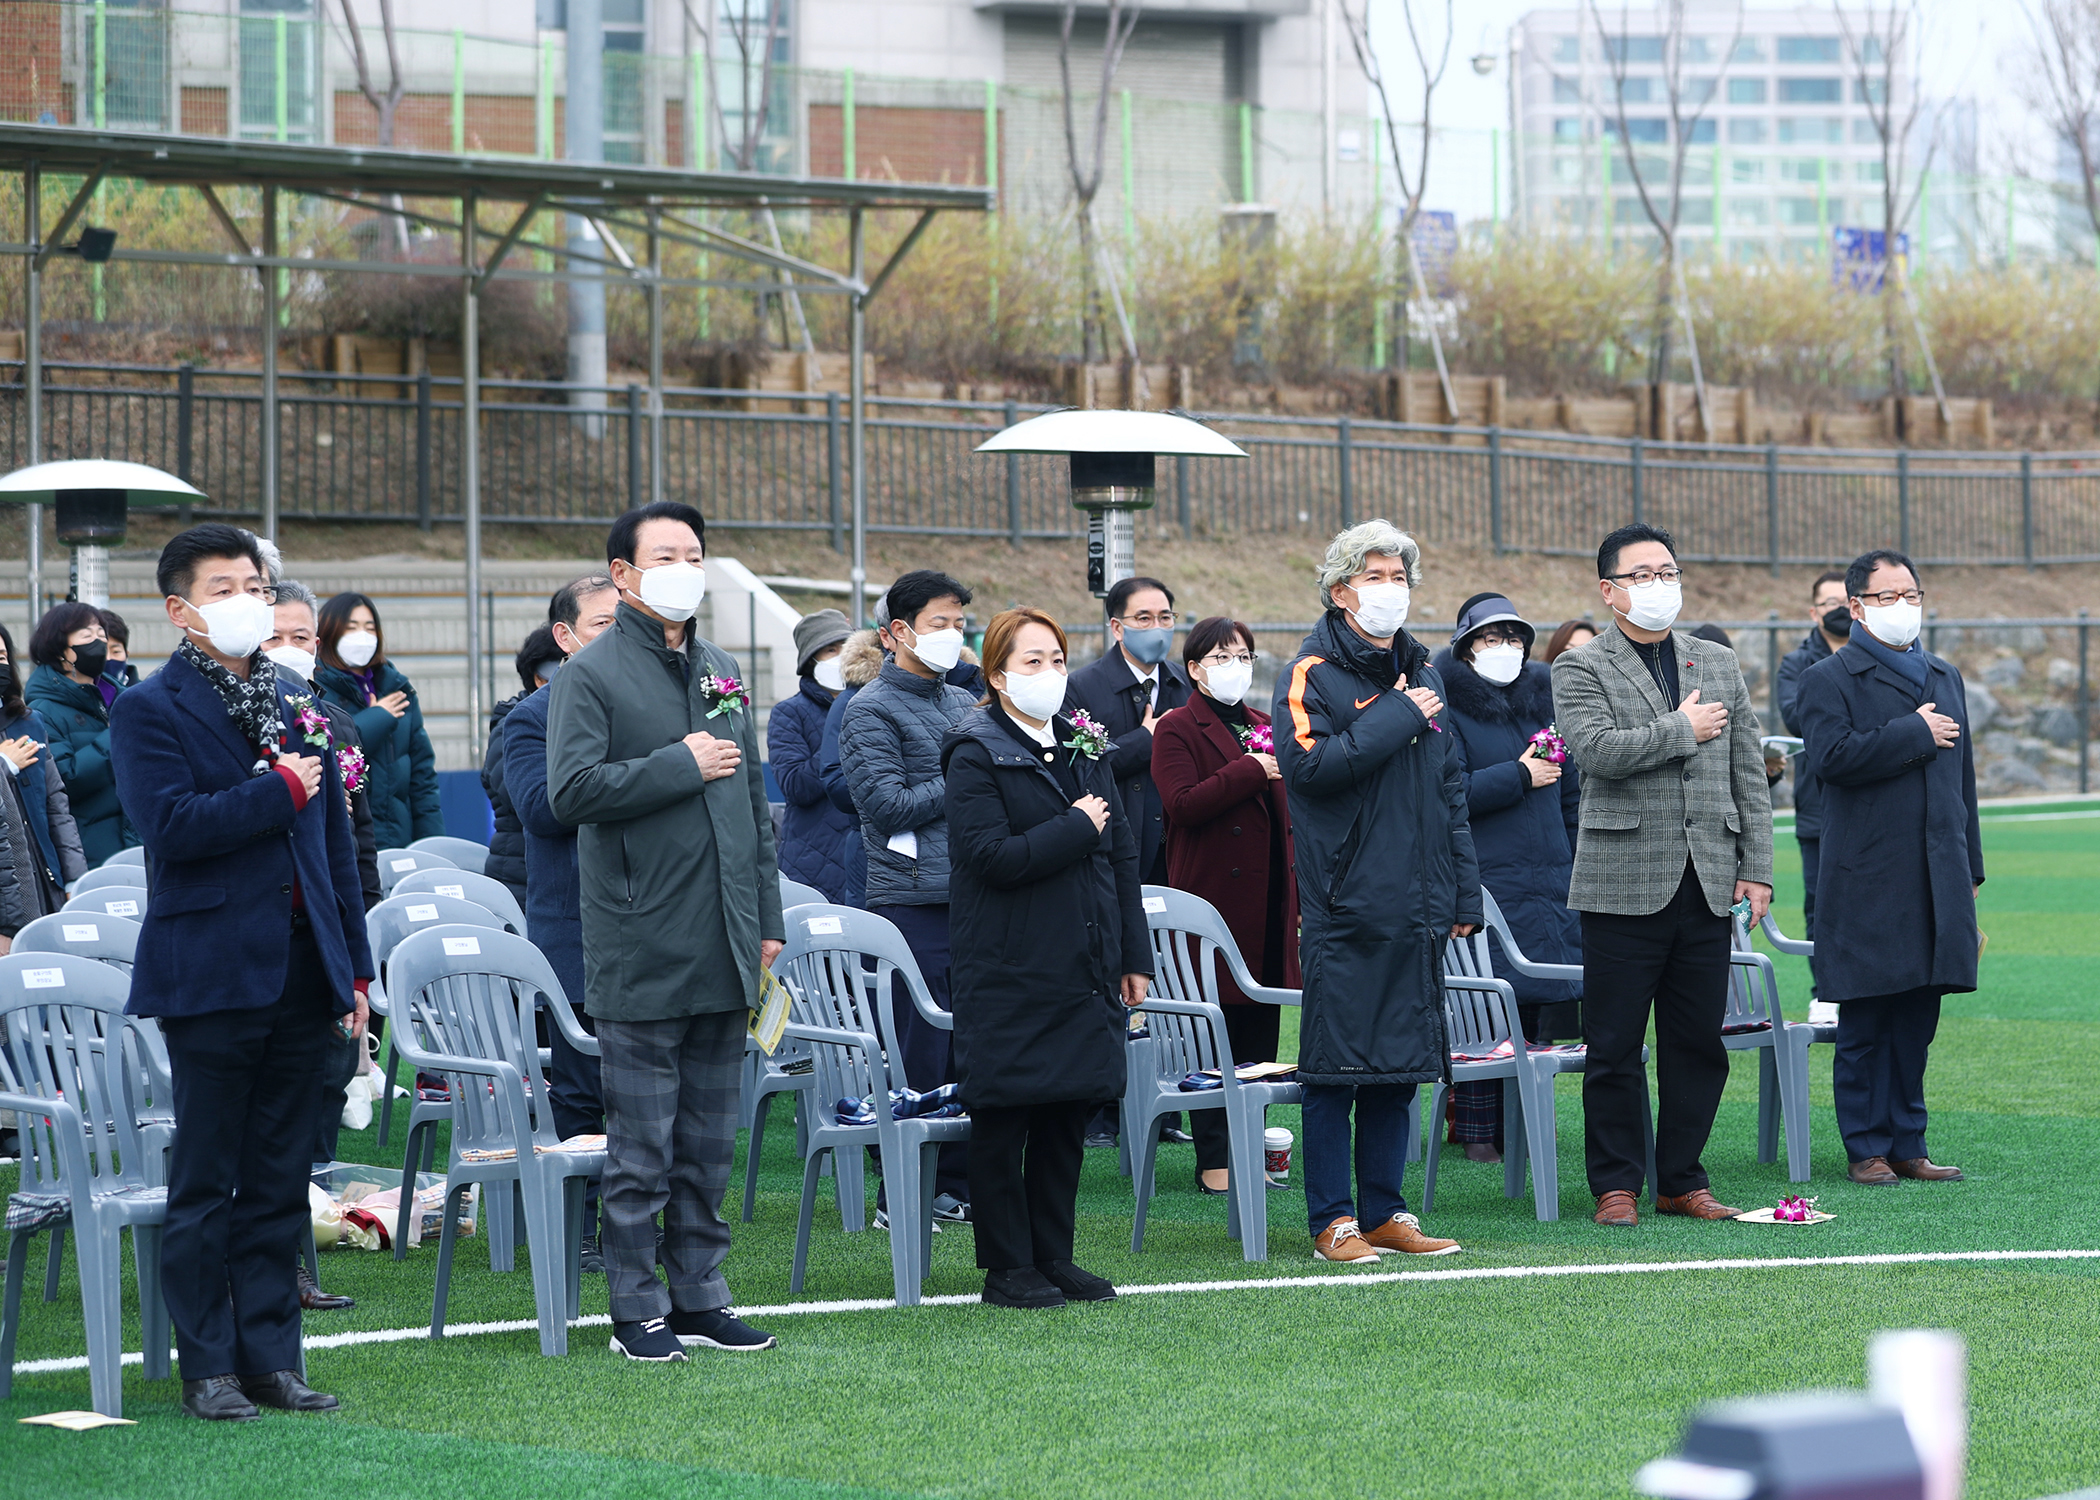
1523 810
537 661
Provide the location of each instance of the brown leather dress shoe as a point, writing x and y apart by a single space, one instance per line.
1873 1172
1697 1204
1921 1169
1619 1209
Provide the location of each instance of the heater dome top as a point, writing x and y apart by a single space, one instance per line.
141 484
1074 431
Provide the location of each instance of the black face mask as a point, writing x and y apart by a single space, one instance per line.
7 679
89 660
1838 621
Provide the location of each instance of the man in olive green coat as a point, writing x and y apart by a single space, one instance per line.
652 755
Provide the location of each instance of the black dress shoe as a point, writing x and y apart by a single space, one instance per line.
1077 1283
1174 1135
1210 1192
313 1299
1026 1287
284 1390
217 1398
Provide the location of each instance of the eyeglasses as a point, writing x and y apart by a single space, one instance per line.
1888 597
1640 578
1164 620
1492 636
1221 658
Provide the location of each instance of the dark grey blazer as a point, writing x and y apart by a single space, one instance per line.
1651 794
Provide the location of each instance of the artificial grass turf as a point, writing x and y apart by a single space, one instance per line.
1491 1388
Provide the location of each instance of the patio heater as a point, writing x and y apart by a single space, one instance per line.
93 496
1113 455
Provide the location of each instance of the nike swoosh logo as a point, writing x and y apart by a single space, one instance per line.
1362 701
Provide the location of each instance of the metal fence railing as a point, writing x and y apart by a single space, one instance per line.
366 447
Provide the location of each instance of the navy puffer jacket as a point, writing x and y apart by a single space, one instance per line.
814 836
506 861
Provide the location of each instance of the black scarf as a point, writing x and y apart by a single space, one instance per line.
251 704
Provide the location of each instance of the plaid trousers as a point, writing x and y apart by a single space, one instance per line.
670 1140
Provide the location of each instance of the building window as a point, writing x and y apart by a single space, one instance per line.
277 85
1567 170
1639 91
1695 210
1746 91
1865 133
1870 91
1748 49
1696 90
1567 49
1641 132
1567 132
1749 213
1869 171
135 79
1808 49
1810 90
1800 169
1634 49
1798 211
1746 132
1701 133
1812 132
1743 171
1567 90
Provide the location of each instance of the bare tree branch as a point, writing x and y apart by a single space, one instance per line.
2064 86
1121 21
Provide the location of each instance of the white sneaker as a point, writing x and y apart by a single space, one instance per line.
1822 1013
882 1221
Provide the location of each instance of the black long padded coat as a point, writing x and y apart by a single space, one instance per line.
1046 916
1901 850
1523 836
1385 856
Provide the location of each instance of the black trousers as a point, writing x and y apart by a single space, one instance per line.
1676 958
1253 1031
338 1067
1877 1078
1811 857
1024 1182
575 1091
929 1052
245 1083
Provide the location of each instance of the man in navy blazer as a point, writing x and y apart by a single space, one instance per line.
252 949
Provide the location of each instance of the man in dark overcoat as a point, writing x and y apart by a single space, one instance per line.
1887 728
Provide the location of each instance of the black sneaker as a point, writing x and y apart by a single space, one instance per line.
650 1340
590 1256
1077 1283
720 1328
1026 1287
948 1209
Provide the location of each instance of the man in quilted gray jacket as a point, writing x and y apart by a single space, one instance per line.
890 751
1676 826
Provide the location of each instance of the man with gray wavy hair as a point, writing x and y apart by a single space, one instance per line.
1386 876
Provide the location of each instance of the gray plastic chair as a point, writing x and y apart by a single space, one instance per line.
465 853
465 885
795 893
395 863
112 900
463 1000
386 925
1754 1022
1480 1015
836 963
1187 1035
107 875
135 856
66 1087
764 1077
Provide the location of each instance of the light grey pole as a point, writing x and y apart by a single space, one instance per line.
269 378
656 357
858 419
33 379
470 464
583 128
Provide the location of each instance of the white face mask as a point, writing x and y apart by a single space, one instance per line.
357 647
830 674
1499 664
1895 625
1381 608
1655 605
1037 695
673 591
1229 683
938 650
292 659
237 625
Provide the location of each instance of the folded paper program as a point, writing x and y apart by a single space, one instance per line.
573 1143
1503 1049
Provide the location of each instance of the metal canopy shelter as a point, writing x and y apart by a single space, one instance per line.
651 204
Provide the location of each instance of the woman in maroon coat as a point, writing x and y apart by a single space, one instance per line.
1229 841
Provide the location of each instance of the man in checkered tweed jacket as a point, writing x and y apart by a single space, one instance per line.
1676 825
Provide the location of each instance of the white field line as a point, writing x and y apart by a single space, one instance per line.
2038 817
1263 1283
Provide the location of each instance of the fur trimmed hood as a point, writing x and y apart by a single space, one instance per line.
860 659
1528 699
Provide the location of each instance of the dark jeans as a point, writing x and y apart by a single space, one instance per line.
1877 1079
1811 856
338 1067
1380 1152
929 1052
1024 1182
1676 958
1252 1030
245 1084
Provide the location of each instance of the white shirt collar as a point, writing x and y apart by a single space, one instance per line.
1046 736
